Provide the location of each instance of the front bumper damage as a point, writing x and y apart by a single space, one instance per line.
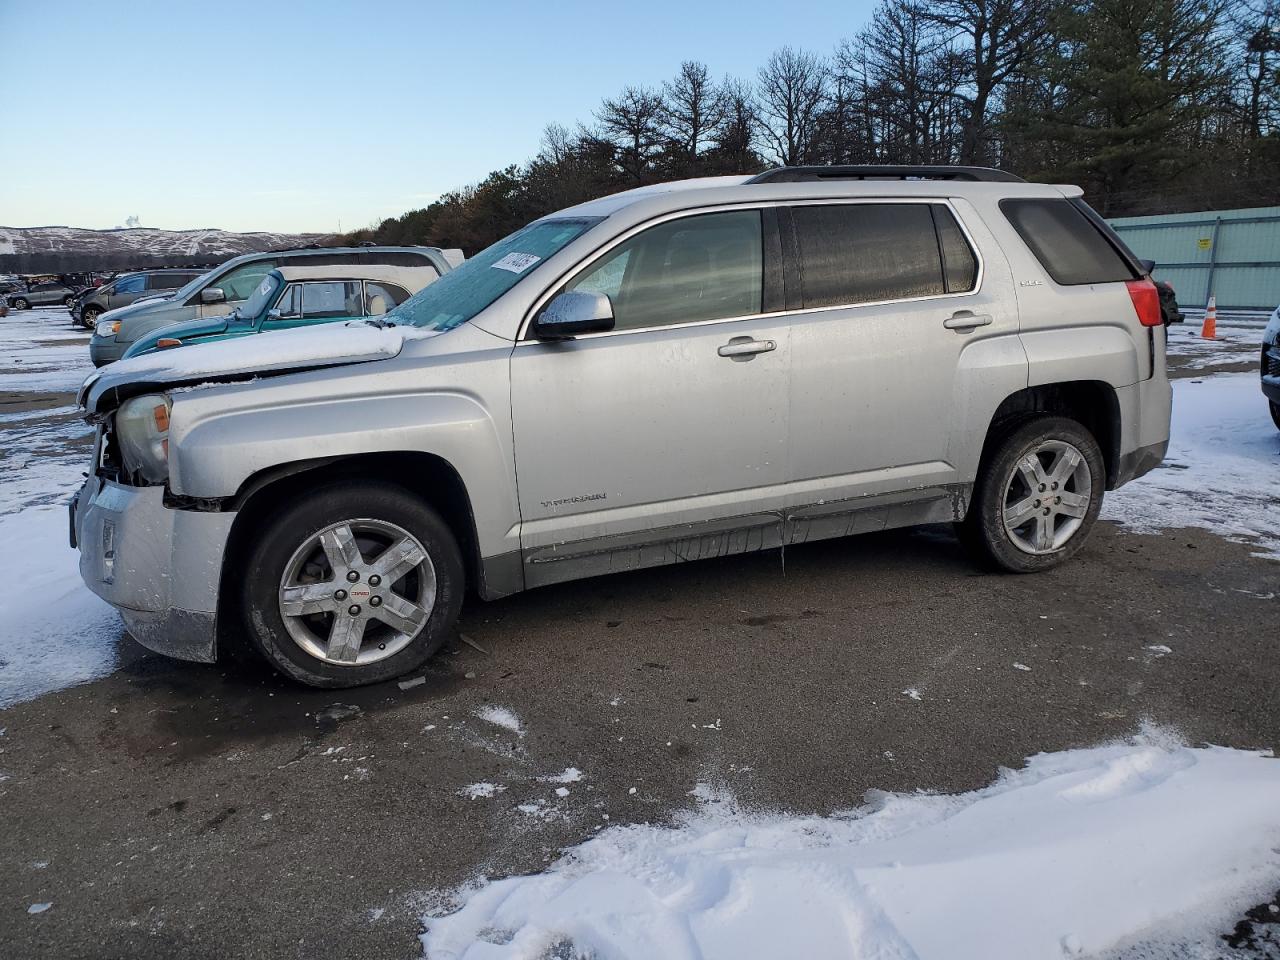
159 567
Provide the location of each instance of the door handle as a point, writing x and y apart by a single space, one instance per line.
744 348
966 320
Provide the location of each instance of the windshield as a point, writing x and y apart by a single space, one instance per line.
261 296
466 290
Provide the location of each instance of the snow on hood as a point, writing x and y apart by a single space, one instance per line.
279 350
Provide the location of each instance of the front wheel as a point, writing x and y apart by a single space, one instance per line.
1037 496
354 584
89 317
1275 413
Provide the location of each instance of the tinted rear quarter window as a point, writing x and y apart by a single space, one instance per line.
959 265
866 252
1070 248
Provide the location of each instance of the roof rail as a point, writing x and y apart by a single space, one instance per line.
885 172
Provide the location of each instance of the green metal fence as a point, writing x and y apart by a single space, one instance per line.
1233 254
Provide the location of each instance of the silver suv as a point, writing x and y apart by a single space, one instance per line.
668 374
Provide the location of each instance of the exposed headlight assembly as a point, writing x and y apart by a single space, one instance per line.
107 328
142 430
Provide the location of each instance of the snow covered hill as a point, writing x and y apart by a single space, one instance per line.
142 242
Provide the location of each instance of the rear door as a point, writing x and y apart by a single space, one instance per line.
893 297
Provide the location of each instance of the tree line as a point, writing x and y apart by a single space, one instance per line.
1153 106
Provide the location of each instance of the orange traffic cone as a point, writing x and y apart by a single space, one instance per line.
1209 331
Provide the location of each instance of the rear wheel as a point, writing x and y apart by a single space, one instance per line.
21 303
1275 413
69 299
1037 496
357 583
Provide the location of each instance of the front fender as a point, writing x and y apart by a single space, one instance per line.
216 454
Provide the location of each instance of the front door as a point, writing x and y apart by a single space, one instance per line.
665 439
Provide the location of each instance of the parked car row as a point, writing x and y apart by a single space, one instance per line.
126 289
223 291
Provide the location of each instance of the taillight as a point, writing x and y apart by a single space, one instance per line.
1146 302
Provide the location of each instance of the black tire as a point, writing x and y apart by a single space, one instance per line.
21 303
69 299
1275 413
983 530
282 536
89 317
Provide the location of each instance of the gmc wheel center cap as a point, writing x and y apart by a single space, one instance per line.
359 592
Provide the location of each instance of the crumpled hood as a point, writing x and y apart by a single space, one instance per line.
243 358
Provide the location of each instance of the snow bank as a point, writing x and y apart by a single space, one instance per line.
53 632
1075 853
1222 471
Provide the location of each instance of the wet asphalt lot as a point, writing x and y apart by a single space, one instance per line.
182 810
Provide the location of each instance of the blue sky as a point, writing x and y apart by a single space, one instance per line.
295 116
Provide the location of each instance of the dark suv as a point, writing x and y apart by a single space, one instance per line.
127 288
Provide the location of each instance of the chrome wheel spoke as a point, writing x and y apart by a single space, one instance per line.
1019 513
1044 532
339 545
400 614
397 560
302 599
344 638
1065 465
1032 471
1074 505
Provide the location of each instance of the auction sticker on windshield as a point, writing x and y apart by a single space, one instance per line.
517 262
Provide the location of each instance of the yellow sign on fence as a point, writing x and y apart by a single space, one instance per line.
1204 243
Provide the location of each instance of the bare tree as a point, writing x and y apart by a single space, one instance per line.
912 80
631 122
692 110
995 39
789 93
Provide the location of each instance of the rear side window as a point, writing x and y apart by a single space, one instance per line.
1070 248
959 265
868 252
165 281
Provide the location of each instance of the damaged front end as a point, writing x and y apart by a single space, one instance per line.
154 555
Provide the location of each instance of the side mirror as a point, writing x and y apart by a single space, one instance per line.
572 313
213 295
274 313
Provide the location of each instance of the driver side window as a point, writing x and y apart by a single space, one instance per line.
705 267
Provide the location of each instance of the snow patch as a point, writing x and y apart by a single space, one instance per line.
1222 471
480 791
54 633
1077 852
501 717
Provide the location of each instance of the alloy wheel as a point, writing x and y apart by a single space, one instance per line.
357 592
1047 497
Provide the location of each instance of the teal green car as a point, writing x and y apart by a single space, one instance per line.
296 297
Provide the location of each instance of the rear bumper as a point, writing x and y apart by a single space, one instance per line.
160 568
1146 409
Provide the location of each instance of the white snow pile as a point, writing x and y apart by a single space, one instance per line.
1222 471
501 717
1078 852
53 631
